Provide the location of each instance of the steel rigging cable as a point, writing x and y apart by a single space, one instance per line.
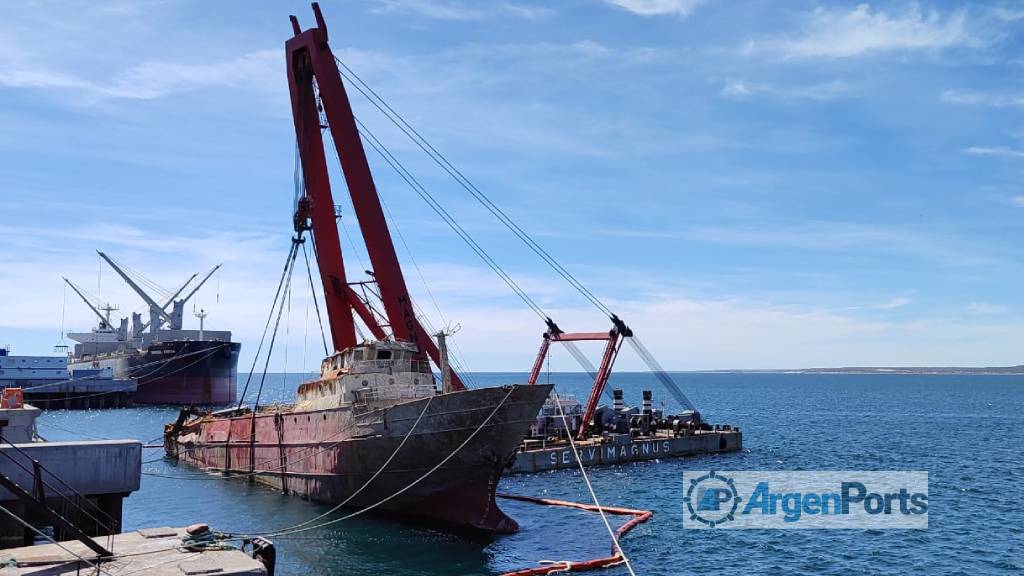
459 177
448 218
421 142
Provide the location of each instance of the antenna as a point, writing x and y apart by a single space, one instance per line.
202 317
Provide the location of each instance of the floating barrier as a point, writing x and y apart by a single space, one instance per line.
616 558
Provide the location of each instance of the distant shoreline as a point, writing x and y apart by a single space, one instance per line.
996 370
900 370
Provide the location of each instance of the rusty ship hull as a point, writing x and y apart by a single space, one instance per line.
328 455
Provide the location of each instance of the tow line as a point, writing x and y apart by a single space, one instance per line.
550 567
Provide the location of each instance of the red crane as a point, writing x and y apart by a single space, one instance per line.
314 80
613 342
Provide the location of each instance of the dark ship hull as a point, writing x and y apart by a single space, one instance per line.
328 455
200 372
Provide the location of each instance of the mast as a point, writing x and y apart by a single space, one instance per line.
309 60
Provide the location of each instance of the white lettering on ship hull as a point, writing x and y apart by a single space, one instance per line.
610 454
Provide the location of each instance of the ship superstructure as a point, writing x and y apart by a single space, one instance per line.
170 364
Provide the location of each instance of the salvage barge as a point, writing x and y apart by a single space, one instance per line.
618 435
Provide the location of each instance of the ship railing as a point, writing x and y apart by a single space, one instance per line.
389 366
395 392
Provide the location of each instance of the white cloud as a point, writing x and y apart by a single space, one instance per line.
1007 14
829 236
681 8
985 308
974 98
683 332
898 302
994 151
742 90
462 11
154 79
838 33
441 10
1017 200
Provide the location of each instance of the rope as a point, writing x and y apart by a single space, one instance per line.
48 537
457 356
426 405
663 376
590 487
316 303
270 316
290 267
111 528
410 485
463 181
448 218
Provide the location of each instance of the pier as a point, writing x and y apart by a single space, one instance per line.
152 551
66 486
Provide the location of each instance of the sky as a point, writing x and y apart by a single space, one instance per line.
748 184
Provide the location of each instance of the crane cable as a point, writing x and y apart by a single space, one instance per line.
378 102
379 147
252 370
468 185
590 487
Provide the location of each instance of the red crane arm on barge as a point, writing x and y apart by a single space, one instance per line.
309 59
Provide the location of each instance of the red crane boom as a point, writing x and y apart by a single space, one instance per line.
309 60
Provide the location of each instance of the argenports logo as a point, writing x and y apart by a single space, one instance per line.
830 499
712 499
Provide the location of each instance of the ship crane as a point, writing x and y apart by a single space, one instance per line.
155 311
327 106
315 84
159 313
182 302
107 308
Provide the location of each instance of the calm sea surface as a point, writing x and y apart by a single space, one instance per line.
966 431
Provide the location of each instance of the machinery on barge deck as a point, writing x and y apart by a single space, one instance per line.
615 434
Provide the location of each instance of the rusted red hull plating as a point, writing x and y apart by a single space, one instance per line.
326 455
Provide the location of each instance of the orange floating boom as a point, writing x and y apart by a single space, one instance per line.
639 516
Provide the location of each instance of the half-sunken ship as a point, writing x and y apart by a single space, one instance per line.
169 364
374 430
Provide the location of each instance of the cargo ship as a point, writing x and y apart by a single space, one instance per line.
374 430
169 364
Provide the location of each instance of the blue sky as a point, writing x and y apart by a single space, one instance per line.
750 184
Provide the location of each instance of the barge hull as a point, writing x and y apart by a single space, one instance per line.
623 449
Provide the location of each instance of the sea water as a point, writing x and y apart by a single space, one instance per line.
966 431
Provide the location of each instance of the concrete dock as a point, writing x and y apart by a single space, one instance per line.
86 482
152 551
537 456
